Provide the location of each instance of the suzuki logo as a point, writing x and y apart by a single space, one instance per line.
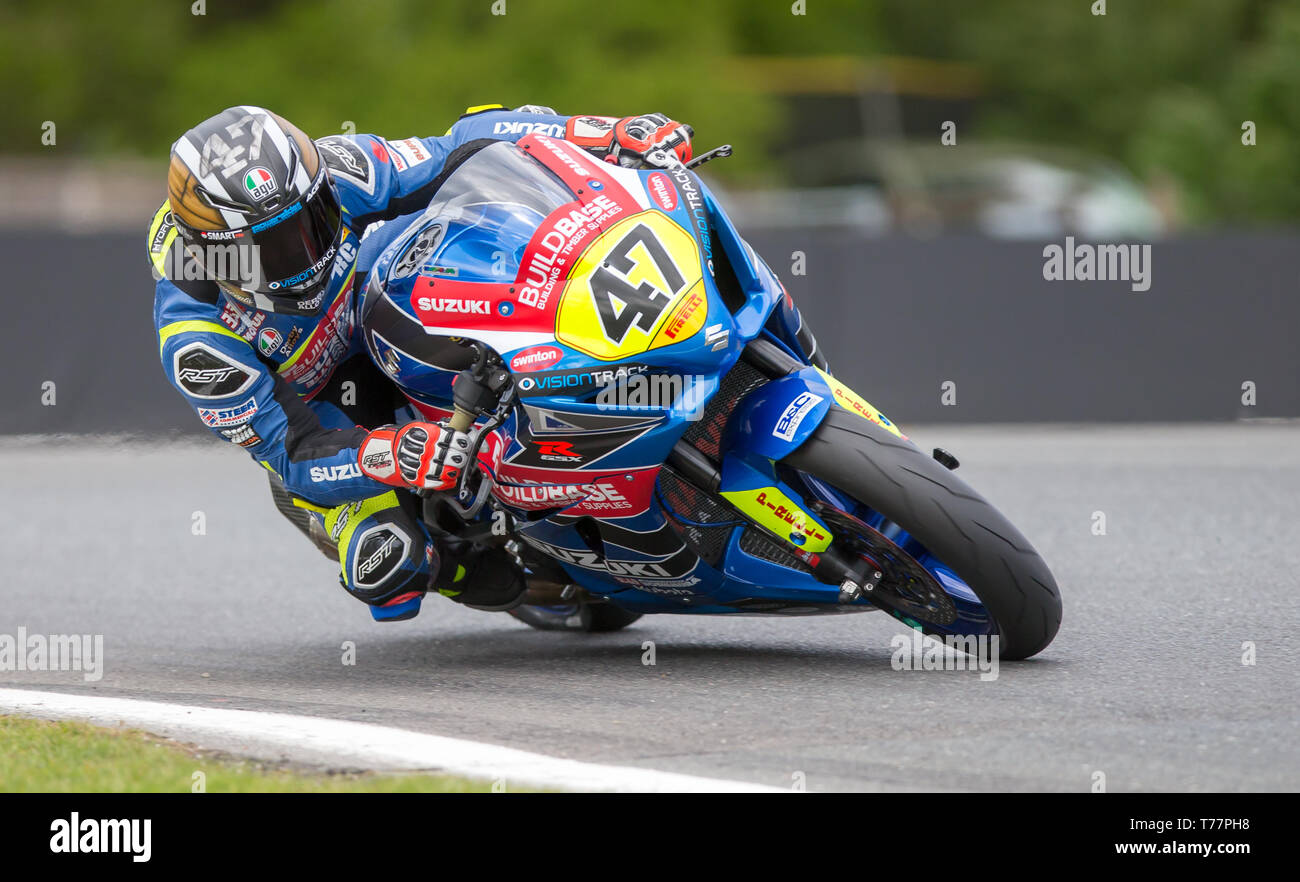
447 304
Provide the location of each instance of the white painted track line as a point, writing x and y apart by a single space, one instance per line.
319 740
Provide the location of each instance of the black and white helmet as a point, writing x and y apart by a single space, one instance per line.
256 207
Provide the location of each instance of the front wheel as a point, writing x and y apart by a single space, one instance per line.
949 562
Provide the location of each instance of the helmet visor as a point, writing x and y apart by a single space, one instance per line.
282 263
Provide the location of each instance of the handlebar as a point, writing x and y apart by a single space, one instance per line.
462 420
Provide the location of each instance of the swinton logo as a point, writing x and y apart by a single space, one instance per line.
536 359
662 191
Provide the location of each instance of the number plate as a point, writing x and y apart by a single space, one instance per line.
636 288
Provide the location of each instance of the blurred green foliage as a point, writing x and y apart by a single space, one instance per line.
1163 86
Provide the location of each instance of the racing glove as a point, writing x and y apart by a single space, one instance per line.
629 140
424 456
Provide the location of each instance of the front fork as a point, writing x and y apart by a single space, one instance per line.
852 573
766 426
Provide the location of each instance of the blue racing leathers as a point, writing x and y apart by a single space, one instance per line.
273 383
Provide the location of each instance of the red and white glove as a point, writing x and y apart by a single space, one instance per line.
628 141
426 456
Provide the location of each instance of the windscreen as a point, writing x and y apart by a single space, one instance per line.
488 209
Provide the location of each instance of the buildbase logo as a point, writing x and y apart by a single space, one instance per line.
78 835
549 255
53 652
536 359
525 493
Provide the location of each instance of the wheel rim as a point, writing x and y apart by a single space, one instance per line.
933 597
900 584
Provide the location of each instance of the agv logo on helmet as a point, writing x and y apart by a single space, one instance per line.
259 183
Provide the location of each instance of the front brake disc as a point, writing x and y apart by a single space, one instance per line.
904 588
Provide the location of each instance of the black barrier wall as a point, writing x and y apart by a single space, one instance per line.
899 318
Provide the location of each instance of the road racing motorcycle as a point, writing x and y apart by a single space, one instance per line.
654 427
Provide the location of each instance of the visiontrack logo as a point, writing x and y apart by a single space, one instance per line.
78 835
955 653
654 392
55 652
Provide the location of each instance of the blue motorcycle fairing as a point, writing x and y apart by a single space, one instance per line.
761 288
777 417
672 580
478 229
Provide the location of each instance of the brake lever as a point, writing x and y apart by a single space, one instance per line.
709 156
668 159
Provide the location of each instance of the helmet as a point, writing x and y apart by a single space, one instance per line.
255 206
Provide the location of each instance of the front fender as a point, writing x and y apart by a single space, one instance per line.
776 418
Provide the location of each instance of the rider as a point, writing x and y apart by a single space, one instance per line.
260 264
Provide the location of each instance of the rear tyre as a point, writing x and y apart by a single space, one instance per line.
953 522
602 617
592 618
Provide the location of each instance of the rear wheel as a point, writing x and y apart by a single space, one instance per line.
948 561
593 618
545 606
607 617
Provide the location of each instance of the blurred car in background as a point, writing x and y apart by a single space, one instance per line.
998 190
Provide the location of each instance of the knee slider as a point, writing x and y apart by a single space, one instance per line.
383 561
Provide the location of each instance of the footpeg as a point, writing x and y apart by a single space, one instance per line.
946 459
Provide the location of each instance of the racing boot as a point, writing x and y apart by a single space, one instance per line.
481 578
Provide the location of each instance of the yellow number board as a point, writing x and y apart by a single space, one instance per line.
637 287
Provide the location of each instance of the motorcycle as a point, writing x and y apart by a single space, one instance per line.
654 428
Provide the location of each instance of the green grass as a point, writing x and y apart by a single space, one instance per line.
38 756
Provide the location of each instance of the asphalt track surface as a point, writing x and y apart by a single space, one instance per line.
1145 682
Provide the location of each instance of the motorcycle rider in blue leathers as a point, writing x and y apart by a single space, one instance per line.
261 253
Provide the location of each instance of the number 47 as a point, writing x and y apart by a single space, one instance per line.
642 304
